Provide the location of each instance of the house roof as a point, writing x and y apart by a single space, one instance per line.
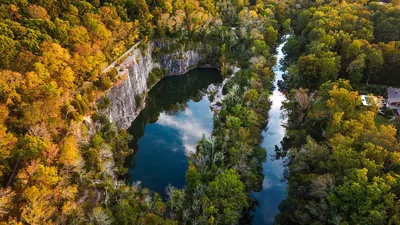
393 94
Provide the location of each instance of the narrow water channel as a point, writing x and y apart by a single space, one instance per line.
176 115
273 188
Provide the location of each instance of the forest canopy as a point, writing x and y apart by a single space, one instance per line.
341 156
62 159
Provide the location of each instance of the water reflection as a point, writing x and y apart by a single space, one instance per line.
273 188
192 123
176 116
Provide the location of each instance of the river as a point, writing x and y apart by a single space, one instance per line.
176 115
273 188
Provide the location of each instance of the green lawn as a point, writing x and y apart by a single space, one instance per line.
380 120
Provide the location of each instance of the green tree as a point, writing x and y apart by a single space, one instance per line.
227 196
374 61
314 70
271 36
343 100
125 213
8 51
356 68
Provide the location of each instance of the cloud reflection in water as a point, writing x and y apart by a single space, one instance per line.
192 123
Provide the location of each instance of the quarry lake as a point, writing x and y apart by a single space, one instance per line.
176 115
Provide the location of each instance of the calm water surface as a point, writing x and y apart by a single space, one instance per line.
176 115
273 188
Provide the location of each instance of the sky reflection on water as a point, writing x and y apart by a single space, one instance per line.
176 116
274 190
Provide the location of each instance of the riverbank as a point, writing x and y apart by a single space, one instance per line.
274 188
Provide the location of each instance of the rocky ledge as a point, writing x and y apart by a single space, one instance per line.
135 68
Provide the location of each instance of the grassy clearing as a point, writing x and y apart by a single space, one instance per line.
381 120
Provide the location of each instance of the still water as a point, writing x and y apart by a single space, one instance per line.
273 188
176 115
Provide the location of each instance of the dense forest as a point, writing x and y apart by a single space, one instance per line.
61 158
62 161
341 156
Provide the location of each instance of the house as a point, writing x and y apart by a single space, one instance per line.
393 100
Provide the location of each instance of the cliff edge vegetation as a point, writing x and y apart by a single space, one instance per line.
60 159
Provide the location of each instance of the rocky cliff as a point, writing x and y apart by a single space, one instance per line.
134 71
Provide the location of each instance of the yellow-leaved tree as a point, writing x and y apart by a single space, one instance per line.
69 152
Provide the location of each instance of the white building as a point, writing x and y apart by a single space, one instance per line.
369 100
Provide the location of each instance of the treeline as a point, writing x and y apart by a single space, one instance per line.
355 41
60 158
341 162
51 56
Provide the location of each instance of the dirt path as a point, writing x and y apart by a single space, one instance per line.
112 65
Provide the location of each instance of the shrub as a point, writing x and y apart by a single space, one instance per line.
113 74
389 113
138 99
104 103
77 106
104 83
95 116
155 76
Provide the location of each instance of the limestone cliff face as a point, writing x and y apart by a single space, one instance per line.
135 69
180 62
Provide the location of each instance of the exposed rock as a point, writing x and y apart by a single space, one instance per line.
135 69
180 62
